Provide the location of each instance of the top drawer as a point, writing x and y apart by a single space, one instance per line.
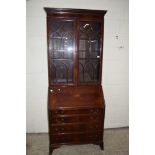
76 118
76 111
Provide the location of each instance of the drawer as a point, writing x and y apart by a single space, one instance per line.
76 137
76 111
95 136
76 127
76 118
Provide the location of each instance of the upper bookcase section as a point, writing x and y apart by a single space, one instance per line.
75 46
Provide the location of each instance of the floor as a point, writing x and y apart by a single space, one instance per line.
116 142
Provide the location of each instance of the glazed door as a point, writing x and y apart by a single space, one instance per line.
89 49
61 51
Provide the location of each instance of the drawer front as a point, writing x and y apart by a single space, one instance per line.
76 127
82 137
76 111
76 118
95 136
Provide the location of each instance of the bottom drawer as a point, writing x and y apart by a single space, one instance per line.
76 127
76 137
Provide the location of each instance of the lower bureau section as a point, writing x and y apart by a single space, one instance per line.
85 137
76 126
71 126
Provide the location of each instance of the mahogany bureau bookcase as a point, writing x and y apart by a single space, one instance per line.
76 104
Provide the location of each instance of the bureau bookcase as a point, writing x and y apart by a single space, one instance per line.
76 104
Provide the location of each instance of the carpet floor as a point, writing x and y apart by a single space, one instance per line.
116 142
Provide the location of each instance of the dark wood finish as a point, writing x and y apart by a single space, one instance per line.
76 105
62 11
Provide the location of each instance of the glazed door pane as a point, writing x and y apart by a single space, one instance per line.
89 51
61 51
